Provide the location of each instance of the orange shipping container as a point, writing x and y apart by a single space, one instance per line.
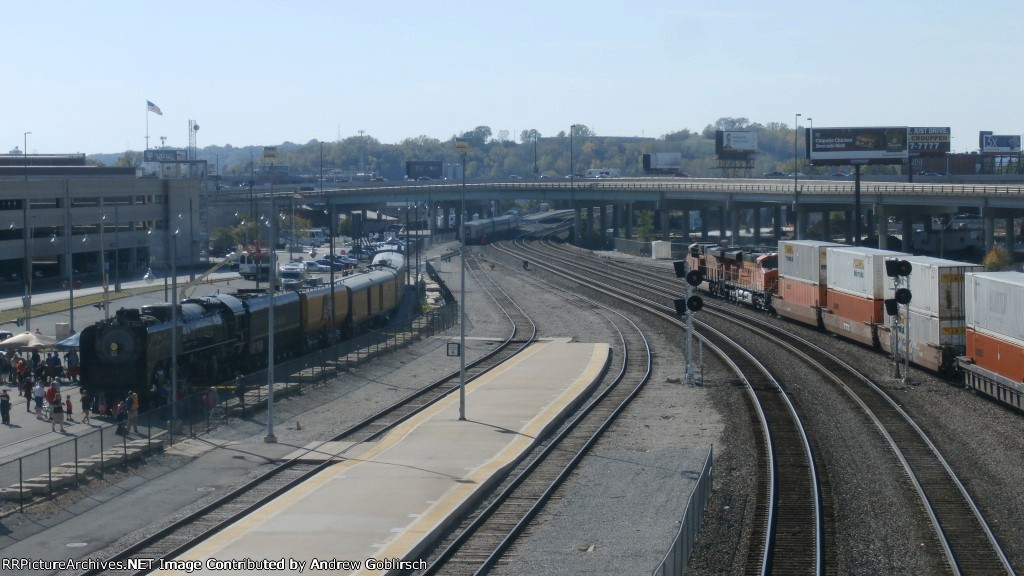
802 293
856 308
996 355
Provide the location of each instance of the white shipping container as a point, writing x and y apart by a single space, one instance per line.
859 271
804 260
661 250
937 285
995 304
934 331
929 336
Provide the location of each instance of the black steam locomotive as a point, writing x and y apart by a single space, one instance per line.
221 335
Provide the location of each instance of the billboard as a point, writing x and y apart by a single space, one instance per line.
997 144
735 142
426 169
928 141
874 145
165 155
662 162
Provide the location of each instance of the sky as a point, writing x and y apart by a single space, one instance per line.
77 75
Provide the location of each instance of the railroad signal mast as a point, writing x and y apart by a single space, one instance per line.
899 271
686 307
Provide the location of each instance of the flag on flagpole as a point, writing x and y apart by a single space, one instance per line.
297 196
153 108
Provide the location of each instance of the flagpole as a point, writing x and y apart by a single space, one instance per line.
147 125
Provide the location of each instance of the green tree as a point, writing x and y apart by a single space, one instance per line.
645 225
129 159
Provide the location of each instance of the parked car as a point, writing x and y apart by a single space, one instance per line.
775 174
681 175
312 266
328 264
514 177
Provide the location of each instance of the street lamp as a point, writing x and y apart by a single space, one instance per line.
103 270
572 185
270 438
535 171
25 154
26 301
174 328
463 145
796 136
810 131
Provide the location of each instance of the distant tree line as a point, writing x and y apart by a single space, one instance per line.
493 156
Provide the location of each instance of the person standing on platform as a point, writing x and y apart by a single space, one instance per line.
5 407
73 364
57 414
240 392
132 404
37 395
86 405
26 391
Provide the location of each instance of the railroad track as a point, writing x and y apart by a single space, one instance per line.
477 546
192 529
789 531
967 541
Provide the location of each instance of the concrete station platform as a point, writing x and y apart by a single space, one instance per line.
387 500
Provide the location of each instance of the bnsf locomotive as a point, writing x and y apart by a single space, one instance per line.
221 335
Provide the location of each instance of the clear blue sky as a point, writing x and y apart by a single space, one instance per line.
78 74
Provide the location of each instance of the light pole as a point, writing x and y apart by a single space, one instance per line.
810 132
117 251
572 186
174 329
463 145
535 171
796 137
26 300
270 438
70 251
103 269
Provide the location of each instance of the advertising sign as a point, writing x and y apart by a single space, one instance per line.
928 141
997 144
883 145
738 142
165 155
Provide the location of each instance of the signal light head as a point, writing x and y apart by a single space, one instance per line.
903 296
694 278
694 303
895 268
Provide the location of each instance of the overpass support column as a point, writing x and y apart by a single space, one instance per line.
907 232
883 226
848 232
800 232
723 223
589 238
826 225
629 221
704 224
616 218
576 232
777 222
990 228
663 221
734 222
1011 235
686 227
757 225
